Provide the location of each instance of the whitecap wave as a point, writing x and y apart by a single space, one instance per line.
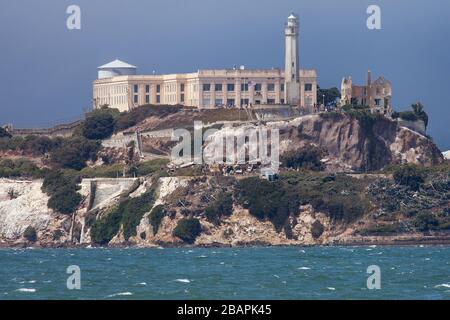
183 280
304 268
331 288
127 293
443 285
29 290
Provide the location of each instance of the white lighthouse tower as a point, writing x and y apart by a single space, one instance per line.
291 69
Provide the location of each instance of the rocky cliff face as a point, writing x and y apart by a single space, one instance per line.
351 144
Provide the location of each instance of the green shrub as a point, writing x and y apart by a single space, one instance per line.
425 221
317 229
103 171
104 229
30 234
265 200
99 124
127 214
4 133
307 158
74 152
188 230
65 201
62 187
19 168
150 167
155 218
128 119
57 234
381 230
409 175
223 206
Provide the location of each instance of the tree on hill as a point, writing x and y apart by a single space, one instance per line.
331 95
417 113
4 133
99 124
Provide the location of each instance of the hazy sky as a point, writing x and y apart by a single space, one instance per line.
46 70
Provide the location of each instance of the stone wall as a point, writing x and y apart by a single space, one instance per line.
62 130
417 126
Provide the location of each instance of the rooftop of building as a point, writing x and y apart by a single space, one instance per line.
117 64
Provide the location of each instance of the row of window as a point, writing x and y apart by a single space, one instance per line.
244 87
147 88
232 102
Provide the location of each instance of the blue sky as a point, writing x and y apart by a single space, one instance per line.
47 70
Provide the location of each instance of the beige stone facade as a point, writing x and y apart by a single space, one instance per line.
203 89
376 95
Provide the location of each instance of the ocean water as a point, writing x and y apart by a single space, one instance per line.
227 273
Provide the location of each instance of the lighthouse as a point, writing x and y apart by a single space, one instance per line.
291 69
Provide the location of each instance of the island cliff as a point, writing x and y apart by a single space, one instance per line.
351 179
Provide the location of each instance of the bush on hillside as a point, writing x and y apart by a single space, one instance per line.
307 158
4 133
62 187
222 206
30 234
133 117
188 230
409 175
425 221
19 168
99 124
155 218
127 214
74 152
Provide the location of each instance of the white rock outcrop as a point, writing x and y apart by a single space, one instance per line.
22 204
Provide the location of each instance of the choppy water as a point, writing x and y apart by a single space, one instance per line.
225 273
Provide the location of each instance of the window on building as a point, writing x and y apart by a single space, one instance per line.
158 88
158 99
135 88
308 86
258 87
308 101
244 102
270 101
230 102
257 101
206 87
282 87
271 87
147 98
147 88
206 102
218 87
244 86
136 99
282 101
230 87
377 102
182 87
218 102
182 97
